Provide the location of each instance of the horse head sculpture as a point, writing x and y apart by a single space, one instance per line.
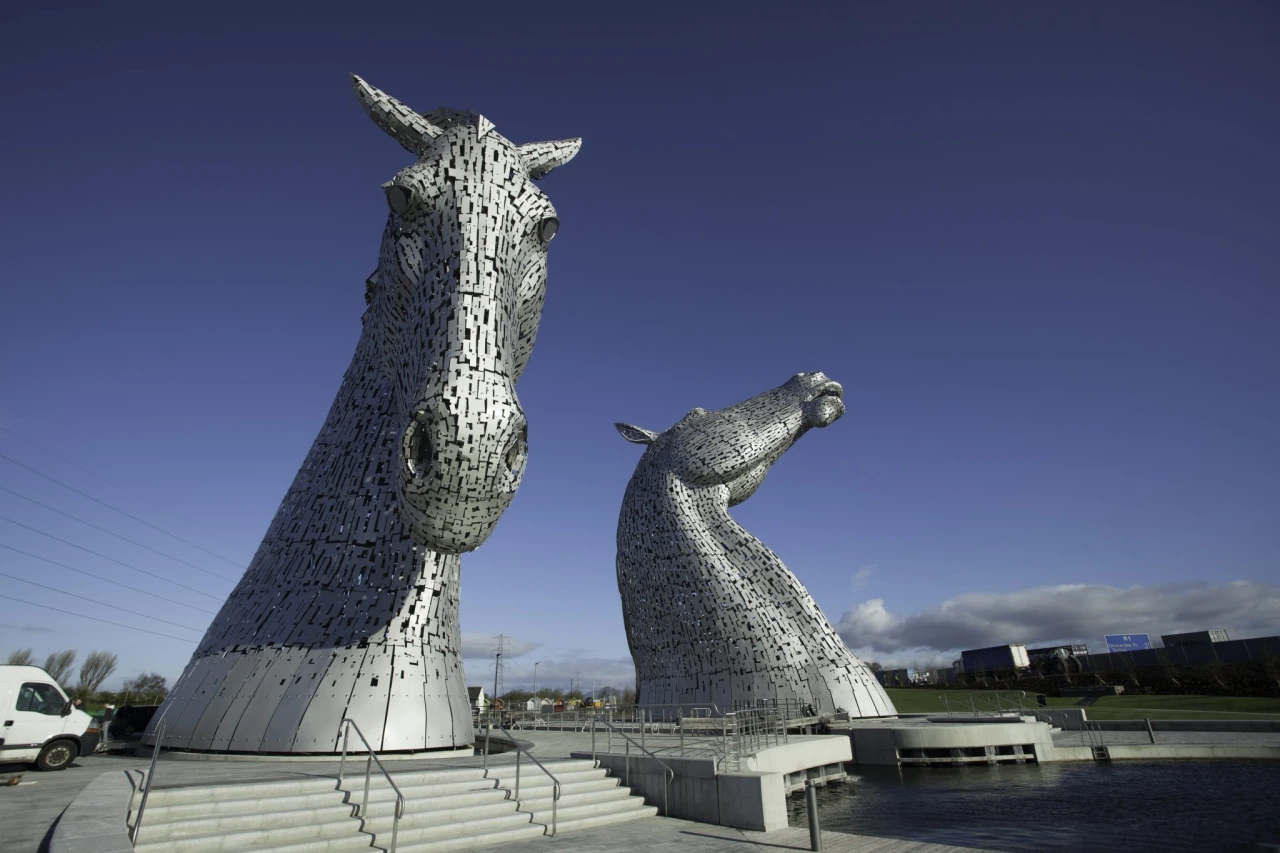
726 454
711 614
457 297
349 609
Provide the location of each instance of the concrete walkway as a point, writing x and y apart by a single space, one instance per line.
668 835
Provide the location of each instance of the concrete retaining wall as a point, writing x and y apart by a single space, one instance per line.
750 799
1073 719
95 820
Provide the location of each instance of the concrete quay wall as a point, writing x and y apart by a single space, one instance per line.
752 798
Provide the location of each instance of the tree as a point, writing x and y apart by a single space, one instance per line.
147 684
628 696
97 668
19 657
874 666
58 664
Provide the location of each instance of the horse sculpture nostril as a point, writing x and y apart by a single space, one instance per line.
518 452
418 450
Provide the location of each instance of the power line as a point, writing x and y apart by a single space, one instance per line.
96 619
108 580
120 487
105 557
97 603
13 461
117 535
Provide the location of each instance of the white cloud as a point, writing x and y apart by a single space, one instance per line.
862 575
1052 614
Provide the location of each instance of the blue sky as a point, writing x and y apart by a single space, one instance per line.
1037 245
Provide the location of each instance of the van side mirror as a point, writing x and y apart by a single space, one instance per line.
66 709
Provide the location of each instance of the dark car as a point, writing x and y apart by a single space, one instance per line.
131 720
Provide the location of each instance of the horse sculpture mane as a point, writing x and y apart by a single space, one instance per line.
711 614
349 608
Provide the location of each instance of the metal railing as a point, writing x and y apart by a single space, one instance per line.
999 704
670 774
555 783
146 783
751 730
347 725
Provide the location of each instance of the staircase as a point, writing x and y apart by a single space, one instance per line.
450 809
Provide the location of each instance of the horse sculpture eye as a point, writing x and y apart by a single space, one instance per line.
547 229
398 199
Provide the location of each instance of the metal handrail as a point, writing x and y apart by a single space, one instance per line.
347 725
146 783
671 774
555 783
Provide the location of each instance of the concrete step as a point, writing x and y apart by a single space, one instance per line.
385 793
589 810
470 842
569 825
416 815
511 820
580 780
248 791
256 839
165 827
602 795
264 805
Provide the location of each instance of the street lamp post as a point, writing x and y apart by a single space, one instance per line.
535 681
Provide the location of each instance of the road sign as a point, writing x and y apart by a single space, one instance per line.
1127 642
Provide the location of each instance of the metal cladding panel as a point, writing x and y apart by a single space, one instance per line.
407 721
249 733
262 660
446 727
239 667
319 729
711 614
369 694
298 696
184 704
464 733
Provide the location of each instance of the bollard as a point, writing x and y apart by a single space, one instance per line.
811 806
1150 731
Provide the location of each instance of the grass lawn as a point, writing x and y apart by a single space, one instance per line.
911 700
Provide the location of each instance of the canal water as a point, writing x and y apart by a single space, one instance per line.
1132 806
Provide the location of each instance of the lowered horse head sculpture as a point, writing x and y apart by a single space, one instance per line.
349 608
457 297
711 614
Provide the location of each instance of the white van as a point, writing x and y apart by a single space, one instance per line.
39 723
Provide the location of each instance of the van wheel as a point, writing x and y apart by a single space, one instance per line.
57 755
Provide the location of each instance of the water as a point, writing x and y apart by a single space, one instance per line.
1130 806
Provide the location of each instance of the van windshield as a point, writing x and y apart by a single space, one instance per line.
40 699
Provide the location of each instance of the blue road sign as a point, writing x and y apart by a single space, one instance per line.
1127 642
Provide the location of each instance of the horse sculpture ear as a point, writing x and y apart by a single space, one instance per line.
635 434
403 123
542 157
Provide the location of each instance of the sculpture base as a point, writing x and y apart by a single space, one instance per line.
190 755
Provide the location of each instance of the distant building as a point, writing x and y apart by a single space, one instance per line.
944 675
541 705
1194 638
995 659
477 698
1050 660
896 677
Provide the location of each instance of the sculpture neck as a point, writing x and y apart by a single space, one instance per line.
351 564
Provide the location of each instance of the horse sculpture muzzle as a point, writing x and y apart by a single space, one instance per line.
460 466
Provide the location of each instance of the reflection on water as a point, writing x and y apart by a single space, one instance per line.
1080 806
